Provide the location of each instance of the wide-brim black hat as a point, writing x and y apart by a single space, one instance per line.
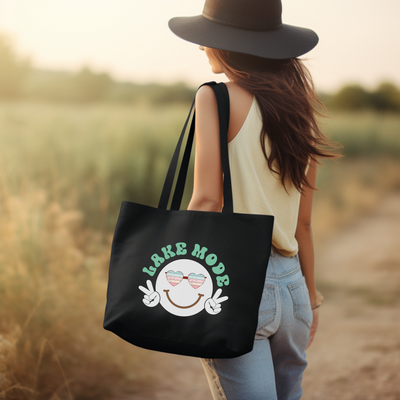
245 26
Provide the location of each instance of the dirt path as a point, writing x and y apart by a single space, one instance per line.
356 353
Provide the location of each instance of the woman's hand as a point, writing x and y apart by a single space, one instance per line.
314 326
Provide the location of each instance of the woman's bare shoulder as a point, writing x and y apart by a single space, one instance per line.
205 100
206 111
205 91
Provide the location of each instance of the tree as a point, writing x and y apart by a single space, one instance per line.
351 97
12 69
386 98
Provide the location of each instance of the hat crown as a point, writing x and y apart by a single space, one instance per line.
258 15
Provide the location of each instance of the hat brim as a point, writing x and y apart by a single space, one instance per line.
288 41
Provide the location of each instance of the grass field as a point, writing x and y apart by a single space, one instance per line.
64 171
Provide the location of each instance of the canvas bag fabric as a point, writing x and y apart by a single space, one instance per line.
188 282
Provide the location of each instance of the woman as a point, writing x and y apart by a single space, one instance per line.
273 148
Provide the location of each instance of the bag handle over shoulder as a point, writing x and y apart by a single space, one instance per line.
222 96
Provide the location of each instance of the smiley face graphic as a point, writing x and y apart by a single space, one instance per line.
183 288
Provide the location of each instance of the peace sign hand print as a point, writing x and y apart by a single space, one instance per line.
213 305
151 297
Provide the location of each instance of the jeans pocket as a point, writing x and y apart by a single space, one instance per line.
301 301
267 310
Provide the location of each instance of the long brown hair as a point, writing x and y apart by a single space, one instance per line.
285 94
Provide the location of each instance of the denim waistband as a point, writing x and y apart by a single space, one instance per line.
276 253
280 266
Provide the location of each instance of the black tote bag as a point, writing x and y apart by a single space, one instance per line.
188 282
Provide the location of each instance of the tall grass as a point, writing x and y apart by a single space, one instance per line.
64 171
89 157
52 288
355 184
365 134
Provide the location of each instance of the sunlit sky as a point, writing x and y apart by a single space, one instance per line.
130 39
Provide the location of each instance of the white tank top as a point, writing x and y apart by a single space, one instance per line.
256 189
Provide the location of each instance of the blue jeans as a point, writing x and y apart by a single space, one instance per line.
274 368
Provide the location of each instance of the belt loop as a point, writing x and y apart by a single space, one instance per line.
272 251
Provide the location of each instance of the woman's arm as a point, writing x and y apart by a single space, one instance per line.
304 234
306 247
208 178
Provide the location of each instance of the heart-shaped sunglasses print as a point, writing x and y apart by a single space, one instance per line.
175 277
196 280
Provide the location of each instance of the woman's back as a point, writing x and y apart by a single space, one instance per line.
240 103
256 189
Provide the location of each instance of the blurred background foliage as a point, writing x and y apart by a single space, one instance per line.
19 80
385 98
73 146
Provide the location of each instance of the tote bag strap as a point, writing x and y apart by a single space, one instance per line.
222 96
